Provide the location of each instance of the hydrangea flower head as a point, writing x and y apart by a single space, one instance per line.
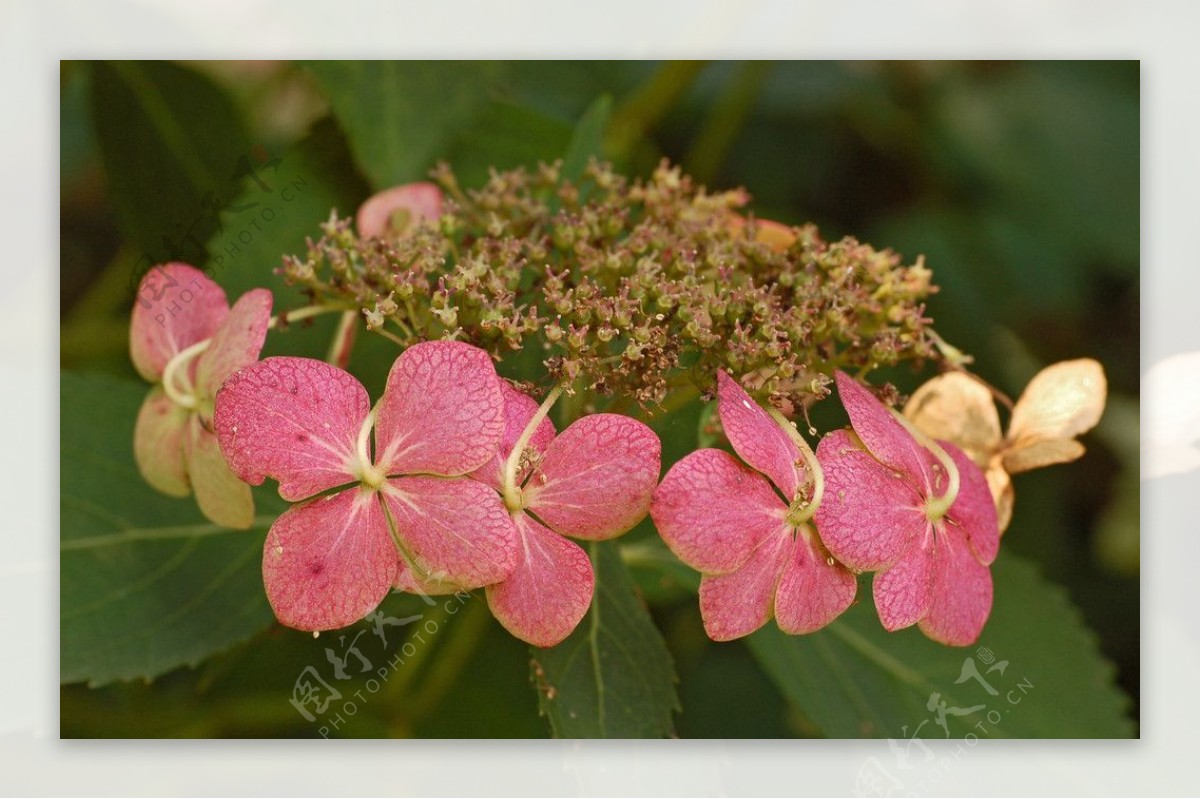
186 339
591 482
746 526
919 514
393 212
329 561
1063 401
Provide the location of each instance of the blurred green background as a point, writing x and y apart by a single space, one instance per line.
1018 181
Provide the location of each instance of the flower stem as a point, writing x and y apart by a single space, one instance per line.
367 473
343 340
306 312
183 399
935 507
512 492
801 514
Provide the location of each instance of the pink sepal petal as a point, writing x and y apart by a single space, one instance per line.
329 562
962 593
222 497
756 437
814 589
882 434
237 342
712 510
974 509
293 419
177 306
738 603
442 411
519 408
904 593
397 210
158 444
597 477
870 516
455 530
549 592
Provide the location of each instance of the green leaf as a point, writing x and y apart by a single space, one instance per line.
854 679
505 136
147 583
400 116
173 147
613 677
588 138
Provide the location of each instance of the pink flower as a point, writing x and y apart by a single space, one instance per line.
592 482
393 212
329 561
923 519
185 338
745 528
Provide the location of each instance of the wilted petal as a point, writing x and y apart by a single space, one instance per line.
158 443
408 580
882 434
738 603
442 411
330 562
1062 401
1000 484
549 591
956 408
293 419
519 408
1036 453
756 437
776 235
396 211
222 497
712 510
870 515
814 588
904 593
974 509
962 593
456 530
237 342
597 477
177 306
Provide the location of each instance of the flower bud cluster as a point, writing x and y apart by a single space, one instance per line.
630 286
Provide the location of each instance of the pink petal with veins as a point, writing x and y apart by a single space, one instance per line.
962 593
519 408
597 477
177 306
456 531
237 342
812 591
158 444
882 435
395 211
974 509
293 419
712 511
222 497
549 592
756 437
442 411
330 562
904 593
738 603
870 516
